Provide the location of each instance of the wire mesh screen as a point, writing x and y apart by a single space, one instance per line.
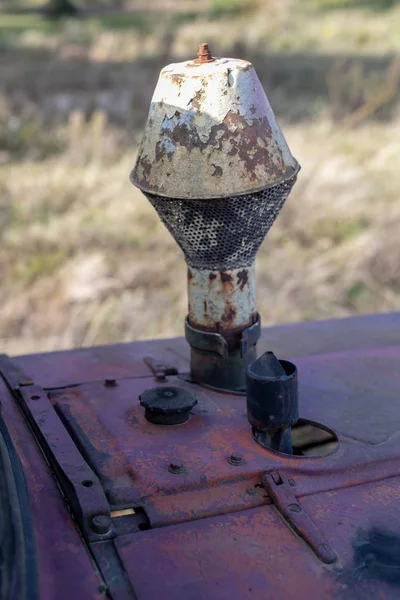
222 233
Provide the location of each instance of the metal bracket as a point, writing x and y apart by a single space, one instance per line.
250 336
77 480
281 491
159 369
205 340
215 342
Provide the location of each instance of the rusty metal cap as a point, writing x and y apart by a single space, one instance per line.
211 133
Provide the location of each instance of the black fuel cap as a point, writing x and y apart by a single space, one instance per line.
167 405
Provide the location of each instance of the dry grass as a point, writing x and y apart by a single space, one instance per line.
83 257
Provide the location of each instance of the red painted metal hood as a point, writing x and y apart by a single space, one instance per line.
187 521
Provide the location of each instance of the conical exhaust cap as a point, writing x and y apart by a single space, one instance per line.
211 133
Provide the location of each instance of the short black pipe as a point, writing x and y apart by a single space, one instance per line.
272 401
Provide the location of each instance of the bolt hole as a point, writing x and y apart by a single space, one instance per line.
87 483
35 397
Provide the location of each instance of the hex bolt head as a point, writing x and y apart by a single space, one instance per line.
101 524
236 459
176 467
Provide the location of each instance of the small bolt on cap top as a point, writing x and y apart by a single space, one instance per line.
204 54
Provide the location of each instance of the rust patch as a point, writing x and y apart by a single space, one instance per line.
242 278
199 97
146 167
242 137
180 134
161 151
193 64
212 276
189 274
229 313
176 79
225 277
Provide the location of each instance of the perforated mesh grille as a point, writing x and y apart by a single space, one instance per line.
222 233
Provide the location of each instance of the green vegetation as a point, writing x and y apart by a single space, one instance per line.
56 9
227 7
352 4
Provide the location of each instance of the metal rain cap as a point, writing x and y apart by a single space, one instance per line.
211 133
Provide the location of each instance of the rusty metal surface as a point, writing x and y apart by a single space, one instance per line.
334 335
204 54
57 369
254 555
226 233
200 486
69 367
363 523
211 133
228 557
59 548
363 385
220 360
221 300
130 453
282 493
81 488
77 479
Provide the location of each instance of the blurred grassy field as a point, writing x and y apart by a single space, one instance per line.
83 257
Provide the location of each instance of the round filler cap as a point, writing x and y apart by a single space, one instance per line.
167 405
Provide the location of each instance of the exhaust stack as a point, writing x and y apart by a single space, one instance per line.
214 164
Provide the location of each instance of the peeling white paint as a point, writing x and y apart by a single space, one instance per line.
182 144
212 295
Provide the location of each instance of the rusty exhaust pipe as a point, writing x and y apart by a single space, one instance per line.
214 164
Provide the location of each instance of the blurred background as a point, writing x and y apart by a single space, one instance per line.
83 257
